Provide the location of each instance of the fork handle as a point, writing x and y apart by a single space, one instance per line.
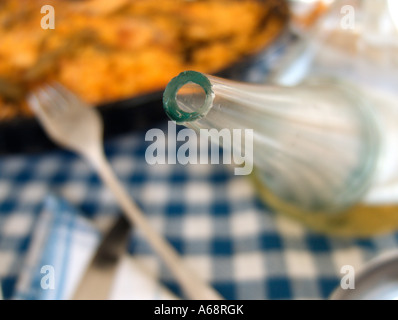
194 288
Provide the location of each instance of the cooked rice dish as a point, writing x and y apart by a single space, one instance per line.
111 50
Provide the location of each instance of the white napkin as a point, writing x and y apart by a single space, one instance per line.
132 282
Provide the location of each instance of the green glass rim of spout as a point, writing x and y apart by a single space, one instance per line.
170 104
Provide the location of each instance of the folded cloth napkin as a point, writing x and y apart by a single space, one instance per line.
62 246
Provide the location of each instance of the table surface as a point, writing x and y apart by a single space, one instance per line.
212 217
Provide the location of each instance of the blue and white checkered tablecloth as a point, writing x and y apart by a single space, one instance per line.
212 217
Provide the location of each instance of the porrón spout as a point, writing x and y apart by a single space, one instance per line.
188 97
316 146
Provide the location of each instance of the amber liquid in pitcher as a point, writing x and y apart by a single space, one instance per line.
377 213
360 220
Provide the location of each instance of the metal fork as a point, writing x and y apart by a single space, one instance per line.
77 127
